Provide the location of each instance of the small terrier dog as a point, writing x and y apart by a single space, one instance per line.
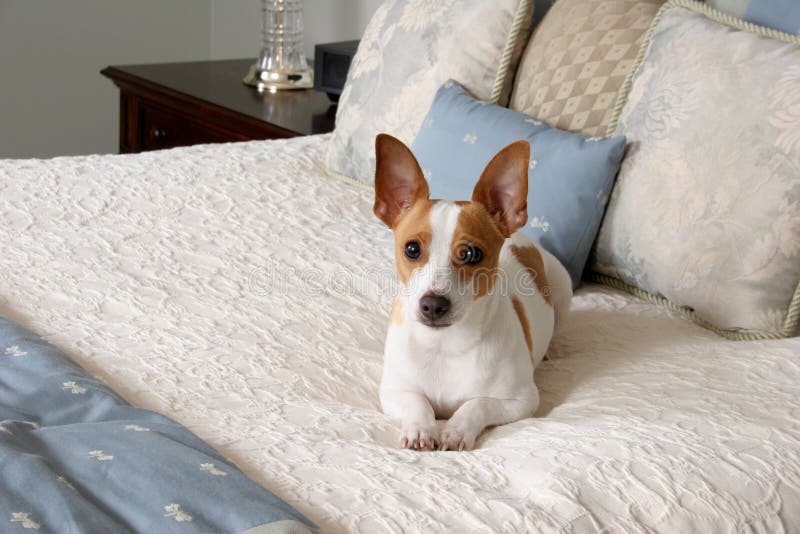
478 302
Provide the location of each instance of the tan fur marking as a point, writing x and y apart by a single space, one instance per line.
399 181
531 259
523 320
413 225
503 187
477 228
396 316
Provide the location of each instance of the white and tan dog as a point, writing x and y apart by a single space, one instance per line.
478 302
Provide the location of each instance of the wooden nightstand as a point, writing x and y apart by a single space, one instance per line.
178 104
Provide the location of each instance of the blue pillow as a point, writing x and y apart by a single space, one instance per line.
570 174
783 15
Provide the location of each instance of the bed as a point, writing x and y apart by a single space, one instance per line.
240 291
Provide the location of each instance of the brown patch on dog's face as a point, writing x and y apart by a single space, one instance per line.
531 259
413 225
476 228
396 316
523 321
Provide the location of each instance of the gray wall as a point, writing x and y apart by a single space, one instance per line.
235 24
53 100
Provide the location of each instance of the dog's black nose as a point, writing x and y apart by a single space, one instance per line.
434 307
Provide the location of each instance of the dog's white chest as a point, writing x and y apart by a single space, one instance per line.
452 366
448 380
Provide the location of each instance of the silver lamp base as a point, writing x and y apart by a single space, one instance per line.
266 80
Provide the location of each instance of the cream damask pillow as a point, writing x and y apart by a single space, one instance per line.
706 209
409 49
577 59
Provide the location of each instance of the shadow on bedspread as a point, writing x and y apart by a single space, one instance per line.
75 457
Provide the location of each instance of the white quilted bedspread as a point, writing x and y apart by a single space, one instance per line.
237 289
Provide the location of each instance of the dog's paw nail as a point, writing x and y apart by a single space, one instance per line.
456 438
419 436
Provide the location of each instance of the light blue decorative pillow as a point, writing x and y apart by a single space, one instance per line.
570 175
783 15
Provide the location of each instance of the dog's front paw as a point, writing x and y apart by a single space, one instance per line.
457 437
419 436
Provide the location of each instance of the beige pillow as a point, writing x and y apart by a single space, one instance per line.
409 49
705 213
577 60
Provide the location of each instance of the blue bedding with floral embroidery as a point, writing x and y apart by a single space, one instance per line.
75 457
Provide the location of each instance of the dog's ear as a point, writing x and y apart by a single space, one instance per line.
398 179
503 187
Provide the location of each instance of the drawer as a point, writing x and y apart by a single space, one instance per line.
159 128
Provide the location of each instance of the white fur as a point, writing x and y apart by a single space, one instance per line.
478 371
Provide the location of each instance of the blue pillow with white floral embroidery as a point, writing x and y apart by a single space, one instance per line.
569 179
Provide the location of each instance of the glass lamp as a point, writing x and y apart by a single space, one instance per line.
281 63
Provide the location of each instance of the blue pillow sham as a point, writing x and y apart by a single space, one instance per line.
782 15
570 175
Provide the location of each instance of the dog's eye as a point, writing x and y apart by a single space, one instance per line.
413 250
470 255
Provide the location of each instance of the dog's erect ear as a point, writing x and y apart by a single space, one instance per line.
503 187
398 179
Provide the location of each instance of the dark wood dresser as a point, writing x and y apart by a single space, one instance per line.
177 104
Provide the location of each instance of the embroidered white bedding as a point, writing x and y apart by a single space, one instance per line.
237 289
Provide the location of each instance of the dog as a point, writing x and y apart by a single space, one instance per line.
477 305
